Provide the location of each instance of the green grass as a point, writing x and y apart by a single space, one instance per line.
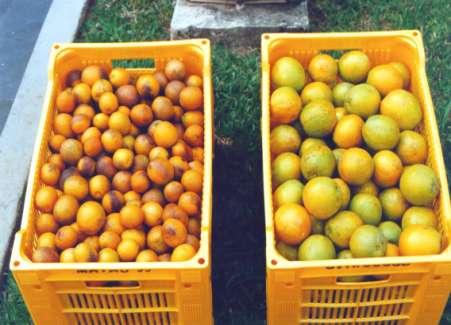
238 228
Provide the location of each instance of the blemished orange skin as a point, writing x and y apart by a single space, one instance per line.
160 171
113 223
141 115
158 152
174 232
181 149
162 108
194 135
93 242
99 88
190 202
105 166
71 151
191 98
173 211
147 86
86 166
50 174
66 237
193 241
65 209
113 201
66 101
73 78
155 240
175 70
173 89
46 222
180 166
194 227
80 123
161 78
154 195
172 191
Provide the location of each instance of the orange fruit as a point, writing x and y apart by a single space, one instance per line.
380 132
323 67
193 241
111 140
113 223
147 86
356 166
391 231
165 134
180 166
71 171
287 251
316 91
288 192
198 154
62 124
385 78
154 195
353 66
316 247
160 171
92 147
100 121
85 110
387 168
77 186
123 158
86 166
155 240
140 162
46 222
46 239
127 95
67 256
174 232
91 74
403 71
131 216
419 240
128 250
57 160
341 226
120 122
368 241
108 103
344 191
182 253
310 143
141 115
109 239
66 101
161 78
99 185
174 189
93 242
146 256
403 107
322 197
152 213
393 203
419 185
194 80
71 151
368 188
139 181
66 237
194 135
287 71
348 131
284 138
340 112
318 162
82 93
192 181
339 93
411 148
99 88
192 117
285 105
113 201
164 257
83 253
73 78
419 216
194 227
50 174
173 89
190 202
286 166
119 77
132 198
392 250
368 207
138 236
65 209
158 152
163 108
129 142
363 100
56 141
173 211
105 166
91 217
318 118
175 70
45 255
292 223
108 255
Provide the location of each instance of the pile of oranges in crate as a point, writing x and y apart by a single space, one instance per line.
348 161
123 180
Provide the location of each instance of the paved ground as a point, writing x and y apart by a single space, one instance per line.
20 23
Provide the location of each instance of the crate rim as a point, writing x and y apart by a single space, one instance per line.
274 261
20 262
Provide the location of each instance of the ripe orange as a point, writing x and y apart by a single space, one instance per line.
175 70
91 74
152 213
323 67
393 203
67 256
123 158
322 197
46 198
86 110
348 131
385 78
65 209
192 181
46 239
165 134
419 216
292 223
91 217
174 232
160 171
146 256
285 105
411 148
419 185
190 202
138 236
50 174
193 241
392 250
155 240
128 250
108 255
284 138
194 80
119 121
387 168
316 91
131 216
82 93
403 107
83 253
111 140
46 222
119 77
183 252
191 98
173 190
99 185
109 239
92 147
356 166
403 71
419 240
194 135
353 66
62 125
66 237
77 186
141 115
100 121
66 101
99 88
108 103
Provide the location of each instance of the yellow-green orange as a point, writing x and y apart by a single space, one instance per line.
419 240
338 152
403 70
344 191
318 162
286 166
411 148
284 138
419 185
340 112
322 197
419 216
385 78
315 91
380 132
368 241
393 203
368 207
288 192
339 93
285 105
287 251
403 107
348 131
323 67
341 226
309 144
316 247
287 71
363 100
391 231
355 166
353 66
318 118
292 223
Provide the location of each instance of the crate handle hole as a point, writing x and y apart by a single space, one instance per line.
365 279
201 260
146 63
112 284
273 262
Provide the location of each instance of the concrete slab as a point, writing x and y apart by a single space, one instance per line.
18 136
236 26
20 22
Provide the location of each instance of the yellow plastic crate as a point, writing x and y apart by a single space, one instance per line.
159 293
417 288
